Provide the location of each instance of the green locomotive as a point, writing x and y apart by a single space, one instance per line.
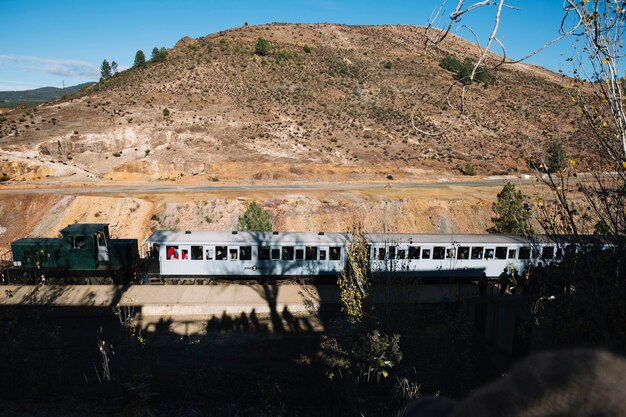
85 253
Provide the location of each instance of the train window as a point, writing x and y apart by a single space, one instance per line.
450 253
288 253
501 252
559 253
233 254
524 252
426 254
512 253
547 252
311 253
79 242
275 254
196 253
414 252
209 252
171 252
299 254
401 253
489 253
245 253
335 253
439 252
322 254
102 242
381 254
184 254
392 252
463 253
221 253
264 253
477 252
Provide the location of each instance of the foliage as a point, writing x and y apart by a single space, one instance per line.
255 218
450 63
166 112
262 47
463 71
387 64
140 59
354 280
105 70
468 169
361 357
306 49
159 55
556 158
512 213
114 69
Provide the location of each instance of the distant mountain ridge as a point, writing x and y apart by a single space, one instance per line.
38 95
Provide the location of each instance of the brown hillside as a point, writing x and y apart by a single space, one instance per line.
342 111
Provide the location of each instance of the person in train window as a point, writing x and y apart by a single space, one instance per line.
170 252
184 254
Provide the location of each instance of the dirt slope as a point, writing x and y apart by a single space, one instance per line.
344 109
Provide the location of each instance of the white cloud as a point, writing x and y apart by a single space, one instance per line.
65 68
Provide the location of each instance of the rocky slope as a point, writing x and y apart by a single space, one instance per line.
344 111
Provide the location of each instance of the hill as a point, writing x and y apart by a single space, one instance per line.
325 103
37 96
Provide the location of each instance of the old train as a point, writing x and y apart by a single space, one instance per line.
261 254
86 254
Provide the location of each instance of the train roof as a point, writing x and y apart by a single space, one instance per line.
38 241
83 229
269 238
482 239
412 238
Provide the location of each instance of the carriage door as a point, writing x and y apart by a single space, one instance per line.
323 260
103 250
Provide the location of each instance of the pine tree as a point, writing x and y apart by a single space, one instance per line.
113 67
140 59
255 218
105 70
512 213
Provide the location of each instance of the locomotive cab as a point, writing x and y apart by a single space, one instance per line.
88 245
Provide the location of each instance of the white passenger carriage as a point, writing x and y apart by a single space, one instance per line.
234 254
458 256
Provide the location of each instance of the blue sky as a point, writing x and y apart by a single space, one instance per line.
50 42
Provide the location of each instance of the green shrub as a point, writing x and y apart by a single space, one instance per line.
388 64
166 112
306 49
262 47
463 71
468 169
450 63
